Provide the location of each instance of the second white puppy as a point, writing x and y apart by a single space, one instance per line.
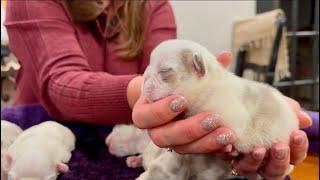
41 152
9 133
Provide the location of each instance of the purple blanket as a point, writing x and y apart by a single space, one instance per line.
313 132
91 159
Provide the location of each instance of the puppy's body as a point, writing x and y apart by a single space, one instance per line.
40 151
9 133
257 113
163 165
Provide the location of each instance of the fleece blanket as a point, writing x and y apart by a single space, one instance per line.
91 159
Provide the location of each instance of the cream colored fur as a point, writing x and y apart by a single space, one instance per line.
127 140
38 150
257 113
9 132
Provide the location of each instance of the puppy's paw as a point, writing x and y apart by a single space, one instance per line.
134 161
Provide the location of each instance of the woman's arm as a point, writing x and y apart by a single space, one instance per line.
42 37
161 26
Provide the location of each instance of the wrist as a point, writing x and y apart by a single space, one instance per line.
134 90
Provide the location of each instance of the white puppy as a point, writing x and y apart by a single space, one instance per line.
127 140
40 152
9 132
257 113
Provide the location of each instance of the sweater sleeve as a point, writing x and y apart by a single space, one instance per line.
42 35
161 27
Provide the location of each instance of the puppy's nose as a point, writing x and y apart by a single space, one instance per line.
150 88
111 150
108 141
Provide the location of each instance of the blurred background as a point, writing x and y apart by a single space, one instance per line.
276 42
211 23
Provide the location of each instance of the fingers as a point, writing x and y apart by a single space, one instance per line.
214 141
250 163
184 131
277 163
293 103
145 115
298 146
304 119
224 58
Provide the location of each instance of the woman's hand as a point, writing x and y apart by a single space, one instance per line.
202 133
197 134
133 90
280 155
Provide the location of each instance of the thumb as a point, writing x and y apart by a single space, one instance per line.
224 58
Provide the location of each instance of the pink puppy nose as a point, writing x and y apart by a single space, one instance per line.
108 141
151 88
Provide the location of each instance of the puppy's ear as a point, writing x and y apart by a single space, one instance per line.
194 62
198 65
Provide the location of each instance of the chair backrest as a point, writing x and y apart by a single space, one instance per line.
269 70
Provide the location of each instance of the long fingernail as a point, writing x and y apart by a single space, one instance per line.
178 104
280 153
225 138
298 139
210 122
258 154
306 116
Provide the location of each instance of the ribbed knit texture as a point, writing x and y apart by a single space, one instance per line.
63 64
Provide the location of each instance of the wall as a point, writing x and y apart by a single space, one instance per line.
210 22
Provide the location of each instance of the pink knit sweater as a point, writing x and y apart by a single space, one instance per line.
66 68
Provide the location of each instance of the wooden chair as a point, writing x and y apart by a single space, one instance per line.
268 71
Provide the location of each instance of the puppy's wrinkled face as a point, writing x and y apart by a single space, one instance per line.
174 66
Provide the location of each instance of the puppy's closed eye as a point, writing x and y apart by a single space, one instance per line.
165 70
166 74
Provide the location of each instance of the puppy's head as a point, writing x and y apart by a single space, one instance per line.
126 140
178 67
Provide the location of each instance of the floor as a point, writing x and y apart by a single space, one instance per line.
308 170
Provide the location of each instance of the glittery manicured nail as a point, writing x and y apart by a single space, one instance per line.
210 122
280 153
259 154
298 139
178 104
225 138
306 115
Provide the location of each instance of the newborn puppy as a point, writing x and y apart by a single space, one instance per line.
125 140
9 132
256 112
40 152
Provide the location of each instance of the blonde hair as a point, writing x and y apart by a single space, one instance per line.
127 15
